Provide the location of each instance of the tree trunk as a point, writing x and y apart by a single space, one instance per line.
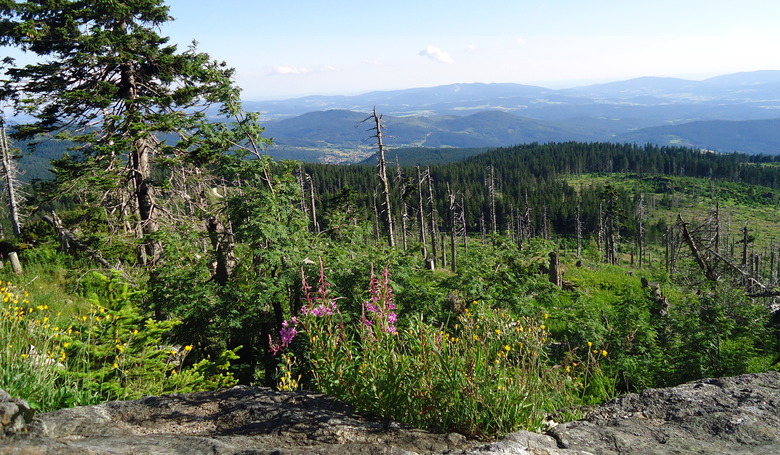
313 205
555 273
433 225
421 212
491 187
10 172
141 170
223 244
383 180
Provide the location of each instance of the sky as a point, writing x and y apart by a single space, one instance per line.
291 48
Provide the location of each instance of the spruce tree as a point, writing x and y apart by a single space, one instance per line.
131 102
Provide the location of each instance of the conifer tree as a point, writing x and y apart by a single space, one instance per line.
133 105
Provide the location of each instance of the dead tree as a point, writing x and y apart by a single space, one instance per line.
384 182
698 256
463 225
399 177
10 173
299 177
434 232
313 204
555 272
223 242
454 227
69 239
490 184
421 213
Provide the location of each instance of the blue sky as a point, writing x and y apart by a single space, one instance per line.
290 48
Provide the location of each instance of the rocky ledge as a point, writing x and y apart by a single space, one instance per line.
739 415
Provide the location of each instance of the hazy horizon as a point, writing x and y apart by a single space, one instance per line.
285 50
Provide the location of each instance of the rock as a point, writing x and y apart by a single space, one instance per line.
240 420
523 443
15 414
738 415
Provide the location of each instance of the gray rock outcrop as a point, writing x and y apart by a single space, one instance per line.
240 420
15 415
739 415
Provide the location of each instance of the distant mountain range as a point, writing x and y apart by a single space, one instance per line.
736 112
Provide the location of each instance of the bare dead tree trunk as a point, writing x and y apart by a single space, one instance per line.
463 224
555 273
10 173
141 171
434 232
313 204
453 228
68 238
421 213
443 237
383 180
223 242
404 209
491 187
526 229
705 266
302 185
377 229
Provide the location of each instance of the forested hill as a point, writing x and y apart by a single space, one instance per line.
571 158
532 181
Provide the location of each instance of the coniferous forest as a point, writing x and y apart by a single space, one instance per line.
169 253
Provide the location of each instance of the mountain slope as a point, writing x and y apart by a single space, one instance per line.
755 92
753 136
343 130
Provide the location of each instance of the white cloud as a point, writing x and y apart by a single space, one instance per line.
286 70
434 53
293 70
520 41
472 47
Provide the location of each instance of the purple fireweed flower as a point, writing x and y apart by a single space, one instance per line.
371 308
391 318
287 335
